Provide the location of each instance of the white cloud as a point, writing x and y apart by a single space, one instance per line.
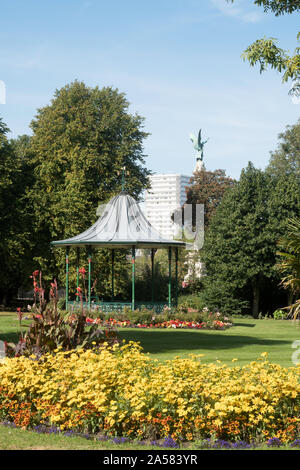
237 10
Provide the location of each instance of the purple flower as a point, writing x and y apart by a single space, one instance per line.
241 445
169 442
102 438
274 442
220 444
120 440
295 443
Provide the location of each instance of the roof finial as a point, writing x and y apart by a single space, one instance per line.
123 178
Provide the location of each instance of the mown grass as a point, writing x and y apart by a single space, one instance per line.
17 438
245 341
21 439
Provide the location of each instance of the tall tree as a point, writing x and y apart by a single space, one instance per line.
16 216
265 51
208 188
285 159
240 246
289 263
80 143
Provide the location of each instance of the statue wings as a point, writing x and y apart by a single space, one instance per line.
194 140
198 144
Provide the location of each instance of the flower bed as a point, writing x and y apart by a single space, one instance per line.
120 391
112 322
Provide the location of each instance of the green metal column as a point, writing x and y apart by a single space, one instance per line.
152 274
133 280
112 274
90 272
176 276
77 273
67 276
170 276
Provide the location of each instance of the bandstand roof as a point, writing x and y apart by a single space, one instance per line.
121 225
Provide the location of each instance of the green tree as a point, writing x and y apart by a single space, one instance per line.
285 159
265 51
207 188
16 216
289 264
80 143
240 246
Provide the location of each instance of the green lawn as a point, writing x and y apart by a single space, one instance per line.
246 340
16 438
21 439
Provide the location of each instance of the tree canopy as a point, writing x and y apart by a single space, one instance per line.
265 51
80 143
240 246
208 188
52 182
16 215
286 158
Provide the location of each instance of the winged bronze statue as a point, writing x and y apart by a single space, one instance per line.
198 145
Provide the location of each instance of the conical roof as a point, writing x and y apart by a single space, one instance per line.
121 225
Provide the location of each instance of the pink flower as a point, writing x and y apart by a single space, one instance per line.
82 272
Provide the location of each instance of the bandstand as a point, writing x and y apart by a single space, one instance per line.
122 225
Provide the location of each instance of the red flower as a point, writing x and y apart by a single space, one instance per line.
19 313
35 273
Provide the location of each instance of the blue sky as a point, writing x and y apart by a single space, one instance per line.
178 61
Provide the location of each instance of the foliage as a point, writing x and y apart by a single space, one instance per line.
194 301
16 215
143 275
80 142
265 52
279 314
208 188
285 160
183 316
289 265
122 392
52 183
50 330
279 7
240 246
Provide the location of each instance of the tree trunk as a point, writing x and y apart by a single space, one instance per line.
4 300
256 295
290 297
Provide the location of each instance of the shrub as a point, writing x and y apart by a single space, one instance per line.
191 301
61 303
148 317
280 315
51 330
